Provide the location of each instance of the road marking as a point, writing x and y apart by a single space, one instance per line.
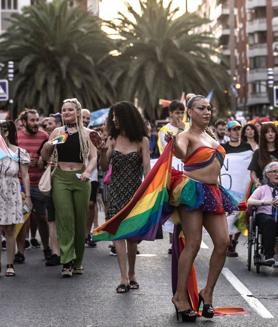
203 245
246 294
146 255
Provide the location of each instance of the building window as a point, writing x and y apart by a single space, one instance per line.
9 4
258 87
258 62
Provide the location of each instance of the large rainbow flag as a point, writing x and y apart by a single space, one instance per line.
141 217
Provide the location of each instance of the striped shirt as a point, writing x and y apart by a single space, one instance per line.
32 143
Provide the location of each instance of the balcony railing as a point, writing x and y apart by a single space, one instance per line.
256 3
257 25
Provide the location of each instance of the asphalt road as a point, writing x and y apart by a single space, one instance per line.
38 296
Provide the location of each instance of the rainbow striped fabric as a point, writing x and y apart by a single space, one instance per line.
141 217
60 139
5 151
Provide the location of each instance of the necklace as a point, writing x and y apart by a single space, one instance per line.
70 125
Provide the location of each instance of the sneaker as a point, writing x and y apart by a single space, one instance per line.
27 245
67 270
232 254
4 245
19 258
90 243
113 251
78 270
35 243
268 261
47 253
275 265
54 260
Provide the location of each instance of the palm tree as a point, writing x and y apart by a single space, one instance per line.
59 52
162 55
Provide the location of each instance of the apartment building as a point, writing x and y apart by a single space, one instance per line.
262 31
247 31
8 7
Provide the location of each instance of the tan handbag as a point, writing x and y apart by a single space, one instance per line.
45 180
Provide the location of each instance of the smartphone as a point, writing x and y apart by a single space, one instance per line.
26 209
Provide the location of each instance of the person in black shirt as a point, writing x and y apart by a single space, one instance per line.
235 145
267 152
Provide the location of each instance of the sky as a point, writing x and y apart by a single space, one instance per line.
110 8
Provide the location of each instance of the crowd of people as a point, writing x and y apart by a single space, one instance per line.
110 163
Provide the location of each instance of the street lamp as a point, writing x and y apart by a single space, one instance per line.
11 78
270 84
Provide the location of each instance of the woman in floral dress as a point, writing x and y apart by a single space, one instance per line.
11 206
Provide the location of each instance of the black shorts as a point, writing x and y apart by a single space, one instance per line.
94 190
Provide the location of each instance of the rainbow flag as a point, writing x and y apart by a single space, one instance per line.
60 139
141 217
5 151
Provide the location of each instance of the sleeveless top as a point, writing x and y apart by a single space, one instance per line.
70 150
203 157
127 173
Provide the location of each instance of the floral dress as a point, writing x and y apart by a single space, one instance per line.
10 193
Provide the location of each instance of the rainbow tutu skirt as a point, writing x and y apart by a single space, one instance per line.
191 194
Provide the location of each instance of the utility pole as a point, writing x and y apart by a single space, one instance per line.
186 6
232 55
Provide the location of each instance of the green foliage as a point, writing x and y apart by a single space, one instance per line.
162 55
59 52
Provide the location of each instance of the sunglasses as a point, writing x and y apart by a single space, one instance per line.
272 172
236 129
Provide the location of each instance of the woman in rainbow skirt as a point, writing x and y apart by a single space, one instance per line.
200 201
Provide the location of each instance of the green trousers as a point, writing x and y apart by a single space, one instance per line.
71 201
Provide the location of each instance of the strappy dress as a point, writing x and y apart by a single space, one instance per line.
127 173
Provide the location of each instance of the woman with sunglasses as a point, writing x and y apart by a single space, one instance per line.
266 153
200 201
265 197
11 206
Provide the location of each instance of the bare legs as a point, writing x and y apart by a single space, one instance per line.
53 240
10 239
218 231
131 247
192 223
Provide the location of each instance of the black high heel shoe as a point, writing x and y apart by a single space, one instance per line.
208 310
186 315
